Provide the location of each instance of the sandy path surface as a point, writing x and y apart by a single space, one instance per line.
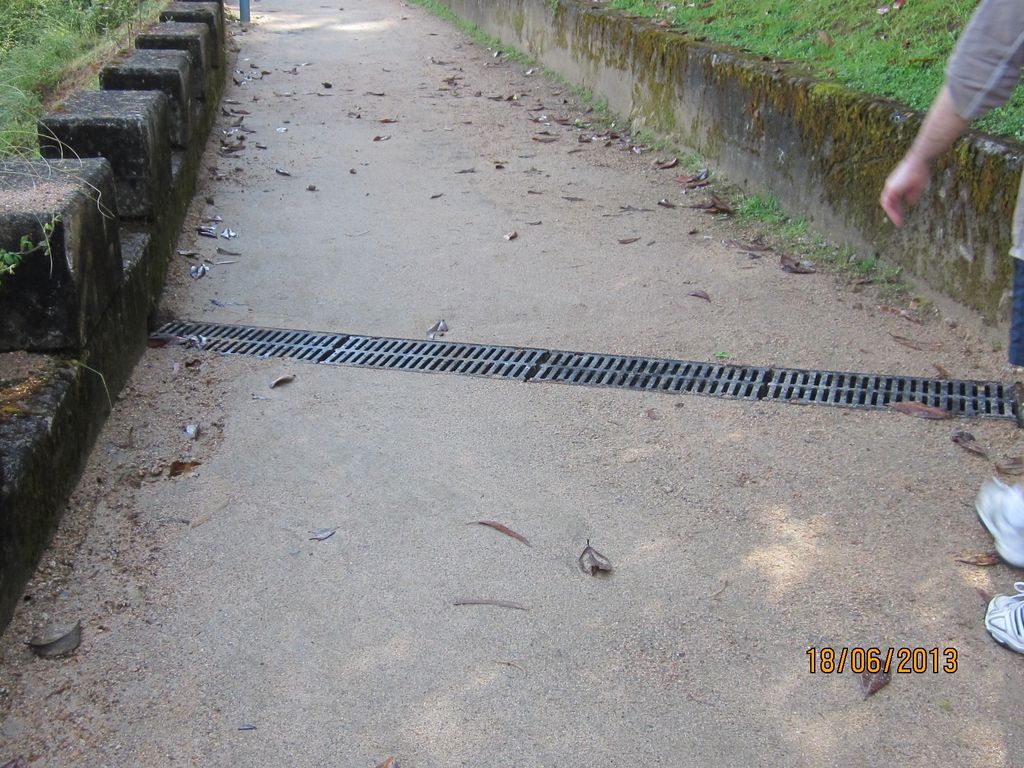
742 534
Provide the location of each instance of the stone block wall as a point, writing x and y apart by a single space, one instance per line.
95 222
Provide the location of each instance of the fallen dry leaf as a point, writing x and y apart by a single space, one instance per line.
1011 466
700 295
381 138
628 240
158 340
872 682
699 179
756 245
388 120
714 205
664 203
503 529
794 266
512 235
485 601
913 408
389 763
592 561
180 467
906 314
966 441
321 534
983 559
280 381
664 166
57 640
929 346
941 371
652 414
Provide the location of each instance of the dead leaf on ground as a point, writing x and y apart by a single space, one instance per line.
512 235
966 441
872 682
906 314
795 266
922 411
467 170
714 205
1011 466
389 763
440 328
381 138
700 295
158 340
280 381
181 467
485 601
664 203
592 561
652 414
941 371
984 594
281 172
320 534
923 346
439 194
57 640
665 165
375 93
388 120
572 199
503 529
701 177
984 559
628 240
756 245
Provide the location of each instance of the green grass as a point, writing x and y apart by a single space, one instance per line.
901 55
758 208
441 10
43 43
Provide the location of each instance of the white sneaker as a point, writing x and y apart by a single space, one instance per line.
1004 619
1001 509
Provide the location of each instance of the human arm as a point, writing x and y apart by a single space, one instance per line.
981 74
942 126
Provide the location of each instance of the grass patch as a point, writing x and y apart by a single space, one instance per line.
442 11
758 208
44 43
901 54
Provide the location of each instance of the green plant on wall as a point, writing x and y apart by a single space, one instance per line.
11 260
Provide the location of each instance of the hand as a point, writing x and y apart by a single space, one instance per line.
904 187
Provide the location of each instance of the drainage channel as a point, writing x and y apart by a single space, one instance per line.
851 390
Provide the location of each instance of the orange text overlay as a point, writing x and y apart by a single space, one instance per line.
886 660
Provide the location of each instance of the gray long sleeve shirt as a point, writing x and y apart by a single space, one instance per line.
983 71
986 65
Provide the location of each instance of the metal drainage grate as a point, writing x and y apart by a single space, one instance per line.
851 390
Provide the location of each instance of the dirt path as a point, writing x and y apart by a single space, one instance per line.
742 534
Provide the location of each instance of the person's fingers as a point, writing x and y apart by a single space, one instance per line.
892 205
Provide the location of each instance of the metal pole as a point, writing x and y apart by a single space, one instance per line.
243 11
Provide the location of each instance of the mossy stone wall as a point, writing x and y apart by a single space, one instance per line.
822 150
